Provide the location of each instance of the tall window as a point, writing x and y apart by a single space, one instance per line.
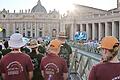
33 35
4 33
40 33
23 34
54 32
28 33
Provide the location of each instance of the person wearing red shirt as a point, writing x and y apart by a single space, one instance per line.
16 65
109 67
54 67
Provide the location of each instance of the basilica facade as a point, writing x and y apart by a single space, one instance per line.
36 22
31 23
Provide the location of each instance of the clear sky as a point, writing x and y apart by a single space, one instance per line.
59 5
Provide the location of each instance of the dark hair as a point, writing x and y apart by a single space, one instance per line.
25 49
0 47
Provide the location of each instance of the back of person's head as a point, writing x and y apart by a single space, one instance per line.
55 46
33 44
109 42
111 45
25 50
16 41
62 37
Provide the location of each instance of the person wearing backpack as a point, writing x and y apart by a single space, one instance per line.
54 67
36 57
65 49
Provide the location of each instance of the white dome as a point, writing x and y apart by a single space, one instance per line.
39 8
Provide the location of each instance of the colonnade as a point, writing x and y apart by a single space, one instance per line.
96 31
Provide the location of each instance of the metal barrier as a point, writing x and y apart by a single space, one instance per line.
81 63
83 58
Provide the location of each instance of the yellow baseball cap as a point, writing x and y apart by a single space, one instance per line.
108 42
55 44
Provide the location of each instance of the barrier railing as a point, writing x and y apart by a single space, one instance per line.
81 63
82 60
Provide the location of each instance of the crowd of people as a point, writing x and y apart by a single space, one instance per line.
34 60
37 61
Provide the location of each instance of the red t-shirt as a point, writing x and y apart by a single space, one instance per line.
105 71
53 67
16 66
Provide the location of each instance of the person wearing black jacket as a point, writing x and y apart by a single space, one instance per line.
36 59
65 50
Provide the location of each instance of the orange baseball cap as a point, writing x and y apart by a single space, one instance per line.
55 44
108 42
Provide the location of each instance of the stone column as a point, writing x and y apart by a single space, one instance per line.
72 32
37 27
106 29
119 30
31 29
81 27
75 28
44 28
13 28
7 29
93 31
87 31
100 31
63 28
25 29
35 30
113 29
21 27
